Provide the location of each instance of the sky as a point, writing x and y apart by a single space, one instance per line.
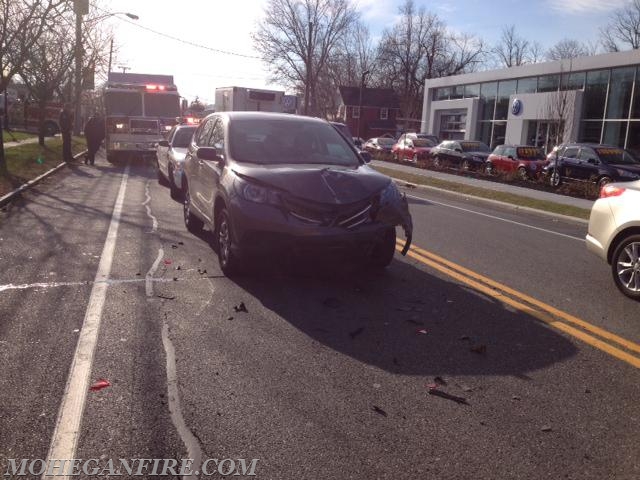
224 27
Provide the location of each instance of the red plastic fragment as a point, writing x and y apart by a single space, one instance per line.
99 385
167 261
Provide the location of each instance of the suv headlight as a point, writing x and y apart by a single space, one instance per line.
257 193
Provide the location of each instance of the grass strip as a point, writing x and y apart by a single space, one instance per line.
12 136
26 162
486 193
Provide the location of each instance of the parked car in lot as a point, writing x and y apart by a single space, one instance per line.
170 154
412 147
524 160
614 234
270 184
588 162
464 154
379 145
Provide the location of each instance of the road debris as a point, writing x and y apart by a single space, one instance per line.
448 396
230 318
240 308
547 428
201 271
180 243
379 411
356 332
421 331
166 297
167 261
516 397
76 330
99 385
465 337
174 246
178 267
440 381
479 349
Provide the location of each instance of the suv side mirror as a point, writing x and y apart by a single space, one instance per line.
163 143
366 156
510 157
458 150
209 153
592 161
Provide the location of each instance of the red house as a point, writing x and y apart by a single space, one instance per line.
374 116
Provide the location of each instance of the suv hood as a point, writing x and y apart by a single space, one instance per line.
327 184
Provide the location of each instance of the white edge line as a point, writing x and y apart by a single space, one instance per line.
498 218
67 430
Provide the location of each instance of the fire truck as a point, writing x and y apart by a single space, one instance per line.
139 109
27 115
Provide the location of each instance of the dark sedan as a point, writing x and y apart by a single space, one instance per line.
464 154
275 185
595 163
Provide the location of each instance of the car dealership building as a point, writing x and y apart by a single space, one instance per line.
586 99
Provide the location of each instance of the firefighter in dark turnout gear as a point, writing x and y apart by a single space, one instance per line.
94 133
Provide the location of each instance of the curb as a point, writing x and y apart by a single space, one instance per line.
490 201
25 186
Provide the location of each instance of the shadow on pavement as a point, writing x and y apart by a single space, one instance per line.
380 318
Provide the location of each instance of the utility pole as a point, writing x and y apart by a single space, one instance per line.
307 88
110 57
80 7
362 79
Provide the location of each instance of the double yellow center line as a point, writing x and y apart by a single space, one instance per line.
597 337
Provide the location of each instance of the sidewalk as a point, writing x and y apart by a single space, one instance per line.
489 185
21 142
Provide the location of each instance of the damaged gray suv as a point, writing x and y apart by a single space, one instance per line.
271 184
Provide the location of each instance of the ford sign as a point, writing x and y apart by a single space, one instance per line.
516 107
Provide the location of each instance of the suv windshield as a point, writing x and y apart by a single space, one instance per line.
474 147
530 153
183 137
277 141
616 155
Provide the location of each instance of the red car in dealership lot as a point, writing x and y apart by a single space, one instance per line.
412 147
524 160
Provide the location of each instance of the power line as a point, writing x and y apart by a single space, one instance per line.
186 42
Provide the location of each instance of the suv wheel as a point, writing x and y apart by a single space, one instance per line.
554 178
437 162
603 181
229 262
488 168
625 266
522 173
466 166
193 223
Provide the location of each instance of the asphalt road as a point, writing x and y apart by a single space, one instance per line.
327 373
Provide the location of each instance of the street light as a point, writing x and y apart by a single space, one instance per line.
81 7
362 79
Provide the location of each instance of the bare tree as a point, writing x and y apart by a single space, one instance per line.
47 69
297 37
536 52
623 30
567 48
418 47
21 25
512 50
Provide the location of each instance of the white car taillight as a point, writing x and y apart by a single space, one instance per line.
611 191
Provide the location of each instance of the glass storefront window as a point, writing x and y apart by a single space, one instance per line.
484 132
615 133
590 131
441 93
499 132
505 90
635 109
573 81
548 83
633 143
472 91
488 92
456 92
595 94
527 85
619 100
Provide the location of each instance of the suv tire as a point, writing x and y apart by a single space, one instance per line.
625 266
